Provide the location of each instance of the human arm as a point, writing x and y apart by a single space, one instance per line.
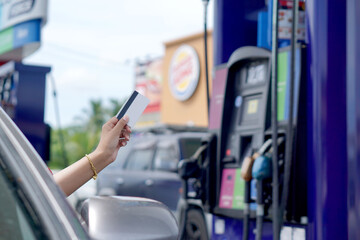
75 175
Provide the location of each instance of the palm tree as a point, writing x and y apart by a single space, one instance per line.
97 115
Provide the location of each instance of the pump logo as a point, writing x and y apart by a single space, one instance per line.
184 72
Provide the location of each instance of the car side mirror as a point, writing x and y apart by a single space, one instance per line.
117 217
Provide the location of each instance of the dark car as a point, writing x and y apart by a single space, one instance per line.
148 167
32 206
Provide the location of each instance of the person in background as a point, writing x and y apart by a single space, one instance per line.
115 134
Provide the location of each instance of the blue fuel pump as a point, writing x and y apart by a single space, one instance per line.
246 128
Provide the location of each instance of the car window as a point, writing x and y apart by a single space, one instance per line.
166 157
189 146
139 159
15 223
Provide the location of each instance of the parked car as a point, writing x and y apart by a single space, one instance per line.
32 206
149 168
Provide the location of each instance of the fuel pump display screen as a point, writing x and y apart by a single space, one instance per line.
255 73
250 111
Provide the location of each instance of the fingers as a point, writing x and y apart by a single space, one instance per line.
128 129
113 120
121 123
125 136
125 133
119 129
110 124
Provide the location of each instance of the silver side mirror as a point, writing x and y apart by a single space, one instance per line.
116 217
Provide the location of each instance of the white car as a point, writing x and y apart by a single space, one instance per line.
32 206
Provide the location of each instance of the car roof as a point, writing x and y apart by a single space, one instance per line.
172 135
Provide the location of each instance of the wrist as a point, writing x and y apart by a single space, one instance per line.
93 168
100 158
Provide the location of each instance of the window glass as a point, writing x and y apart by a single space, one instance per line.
189 146
14 223
166 157
140 159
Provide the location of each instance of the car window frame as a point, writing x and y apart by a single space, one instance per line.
139 145
16 208
58 219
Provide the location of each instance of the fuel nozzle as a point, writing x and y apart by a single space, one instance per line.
247 165
262 167
261 170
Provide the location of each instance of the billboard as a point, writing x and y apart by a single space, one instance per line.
148 81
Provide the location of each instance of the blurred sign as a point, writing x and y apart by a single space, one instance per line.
148 82
13 12
20 27
184 72
217 99
8 97
26 35
286 19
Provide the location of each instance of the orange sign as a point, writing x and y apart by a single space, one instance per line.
184 72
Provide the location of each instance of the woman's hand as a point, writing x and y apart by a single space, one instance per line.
115 134
78 173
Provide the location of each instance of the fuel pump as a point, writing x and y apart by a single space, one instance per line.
232 185
234 160
244 121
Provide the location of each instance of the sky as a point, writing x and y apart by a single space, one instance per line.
91 47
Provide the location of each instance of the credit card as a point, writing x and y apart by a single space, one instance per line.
133 107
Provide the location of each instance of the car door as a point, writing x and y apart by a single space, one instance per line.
32 206
164 184
133 179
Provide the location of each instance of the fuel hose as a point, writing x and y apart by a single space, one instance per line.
274 126
290 125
